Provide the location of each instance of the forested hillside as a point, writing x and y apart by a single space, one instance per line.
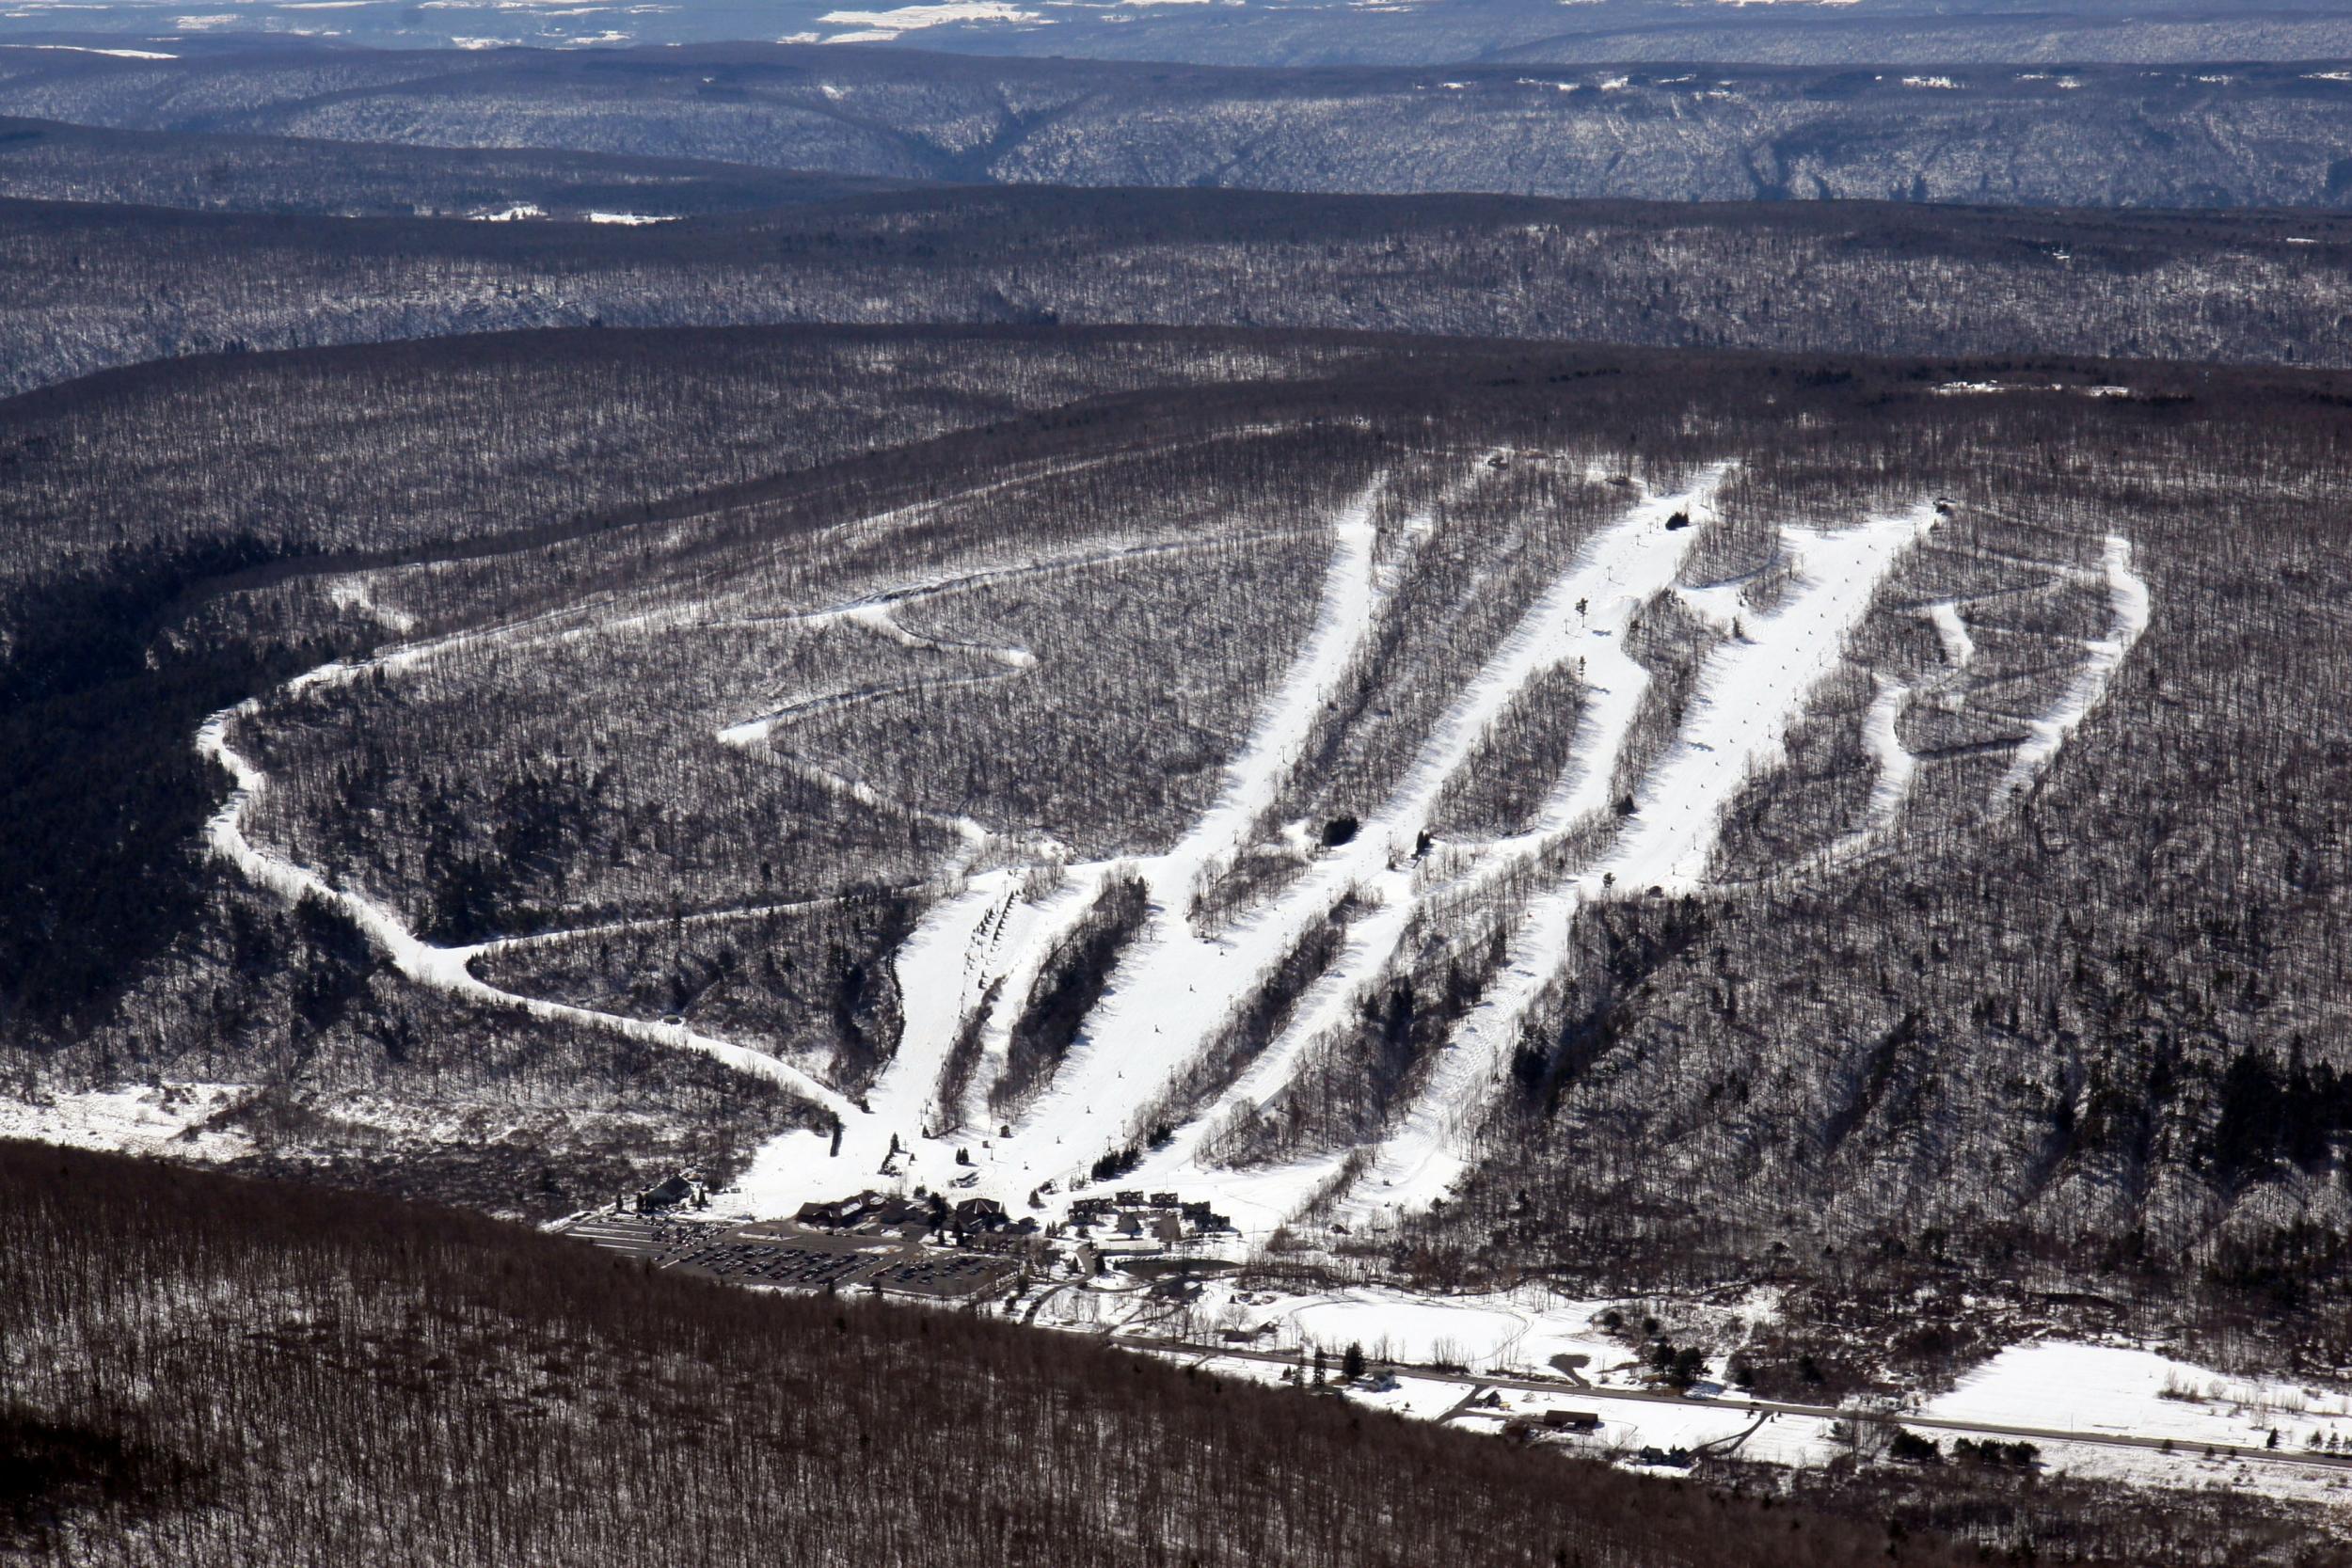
714 762
2231 135
203 1370
92 286
55 161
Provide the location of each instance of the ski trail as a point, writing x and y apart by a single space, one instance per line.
1748 693
1960 648
2129 600
974 833
864 609
942 970
1030 932
974 923
446 969
751 731
1253 779
662 922
880 620
1897 767
1174 1004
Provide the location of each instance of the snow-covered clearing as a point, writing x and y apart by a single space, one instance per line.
2113 1388
135 1118
1960 648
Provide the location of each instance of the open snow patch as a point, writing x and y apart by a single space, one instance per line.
137 1118
2103 1388
908 19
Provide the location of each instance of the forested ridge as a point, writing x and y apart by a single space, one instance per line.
96 284
2238 132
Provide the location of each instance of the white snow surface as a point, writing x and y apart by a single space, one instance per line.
165 1118
92 49
2114 1388
904 19
2129 599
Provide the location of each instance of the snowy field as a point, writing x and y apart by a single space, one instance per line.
2139 1392
134 1119
2099 1391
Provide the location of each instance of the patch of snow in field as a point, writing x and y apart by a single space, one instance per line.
1628 1426
907 18
353 594
91 49
2186 1468
137 1118
1515 1333
1419 1399
2102 1389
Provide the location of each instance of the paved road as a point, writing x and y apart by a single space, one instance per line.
2188 1448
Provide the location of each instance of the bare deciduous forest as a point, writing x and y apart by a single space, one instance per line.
1212 719
204 1370
90 286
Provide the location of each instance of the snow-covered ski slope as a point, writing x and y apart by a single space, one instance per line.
1146 1051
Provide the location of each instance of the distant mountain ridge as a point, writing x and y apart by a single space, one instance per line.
2189 135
